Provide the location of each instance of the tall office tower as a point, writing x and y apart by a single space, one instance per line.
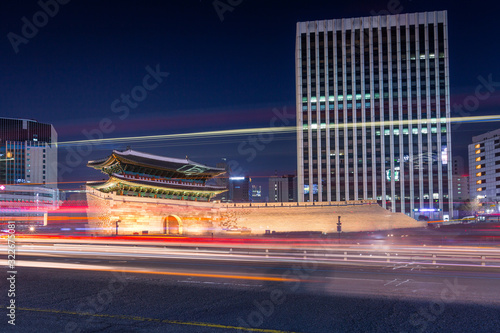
28 152
373 112
28 172
484 167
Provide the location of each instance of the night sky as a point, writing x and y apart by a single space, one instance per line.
222 74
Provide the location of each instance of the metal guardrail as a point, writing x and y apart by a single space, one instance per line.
421 259
426 257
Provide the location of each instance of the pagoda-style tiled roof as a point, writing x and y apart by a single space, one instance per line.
131 161
165 183
116 182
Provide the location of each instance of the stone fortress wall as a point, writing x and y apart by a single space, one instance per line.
141 215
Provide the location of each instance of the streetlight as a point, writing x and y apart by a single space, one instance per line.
339 228
117 224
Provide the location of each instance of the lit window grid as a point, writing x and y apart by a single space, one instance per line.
314 171
489 167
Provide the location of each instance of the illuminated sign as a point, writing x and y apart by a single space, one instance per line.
315 189
444 155
237 178
388 175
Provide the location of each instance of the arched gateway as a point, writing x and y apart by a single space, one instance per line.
172 225
139 180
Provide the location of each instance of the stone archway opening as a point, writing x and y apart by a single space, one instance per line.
172 225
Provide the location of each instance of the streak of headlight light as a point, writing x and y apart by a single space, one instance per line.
27 263
284 129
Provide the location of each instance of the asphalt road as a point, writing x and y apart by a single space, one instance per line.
89 293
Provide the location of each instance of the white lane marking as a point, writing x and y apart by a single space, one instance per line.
402 283
342 278
225 283
390 282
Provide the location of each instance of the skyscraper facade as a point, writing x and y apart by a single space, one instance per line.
28 172
373 112
28 152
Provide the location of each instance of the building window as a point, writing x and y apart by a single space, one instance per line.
477 146
478 151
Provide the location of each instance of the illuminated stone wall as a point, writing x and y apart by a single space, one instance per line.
355 216
139 214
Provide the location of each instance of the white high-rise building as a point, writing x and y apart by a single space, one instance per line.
373 112
484 167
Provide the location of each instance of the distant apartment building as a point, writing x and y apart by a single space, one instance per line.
373 109
460 189
223 180
458 166
283 188
240 189
460 181
484 167
256 193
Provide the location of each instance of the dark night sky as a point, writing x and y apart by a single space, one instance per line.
222 74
